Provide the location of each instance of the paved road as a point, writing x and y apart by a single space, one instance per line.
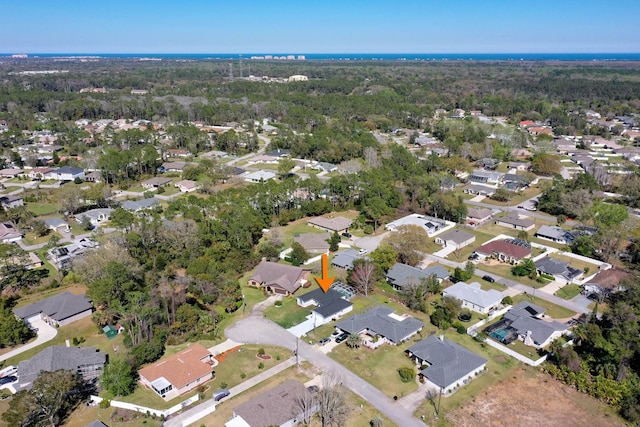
46 333
513 209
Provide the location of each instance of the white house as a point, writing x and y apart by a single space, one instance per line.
66 173
259 176
95 216
474 298
455 238
186 186
330 305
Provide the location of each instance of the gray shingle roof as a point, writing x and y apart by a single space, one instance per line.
553 232
344 259
523 317
136 205
274 407
58 307
402 274
58 357
456 235
448 361
378 321
327 303
555 267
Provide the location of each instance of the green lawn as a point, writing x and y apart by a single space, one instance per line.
554 311
504 270
516 199
568 291
42 208
575 263
289 313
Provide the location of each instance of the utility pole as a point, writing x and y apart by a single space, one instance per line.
297 360
241 66
231 71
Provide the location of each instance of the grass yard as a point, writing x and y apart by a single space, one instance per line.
379 367
33 239
568 291
42 208
554 311
289 313
518 198
504 270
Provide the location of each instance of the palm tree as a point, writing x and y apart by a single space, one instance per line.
353 341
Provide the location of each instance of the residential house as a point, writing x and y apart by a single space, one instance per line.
474 298
177 152
88 362
313 243
514 182
516 222
344 259
10 202
381 325
330 305
455 238
402 275
179 373
485 177
430 224
509 250
96 217
479 190
173 167
38 174
58 310
63 256
156 182
66 173
277 278
28 260
279 153
186 186
338 224
525 321
558 269
10 173
9 233
607 282
275 407
260 176
449 364
57 224
477 216
95 176
519 166
325 167
554 234
138 206
96 424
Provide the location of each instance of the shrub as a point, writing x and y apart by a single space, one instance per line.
261 351
368 229
223 385
104 404
243 375
278 303
260 365
407 374
460 328
507 300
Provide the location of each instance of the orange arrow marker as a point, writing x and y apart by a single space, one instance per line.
325 281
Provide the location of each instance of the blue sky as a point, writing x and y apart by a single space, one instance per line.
329 26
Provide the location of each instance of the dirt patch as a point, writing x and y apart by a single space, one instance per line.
532 398
499 359
220 357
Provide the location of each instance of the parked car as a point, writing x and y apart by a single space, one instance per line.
343 336
323 341
220 394
488 278
313 389
347 235
8 380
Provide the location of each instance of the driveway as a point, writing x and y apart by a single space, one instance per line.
46 333
370 244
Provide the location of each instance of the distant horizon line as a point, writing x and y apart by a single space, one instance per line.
318 53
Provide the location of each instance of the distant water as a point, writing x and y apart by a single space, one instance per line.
364 56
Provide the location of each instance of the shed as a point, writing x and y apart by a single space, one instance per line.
110 331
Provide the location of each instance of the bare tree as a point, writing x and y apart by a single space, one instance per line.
431 394
363 276
333 409
371 157
351 166
305 405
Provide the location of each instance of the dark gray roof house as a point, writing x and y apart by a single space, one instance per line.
276 407
328 304
345 259
401 275
88 362
140 205
450 364
526 320
59 309
96 424
555 267
555 234
382 321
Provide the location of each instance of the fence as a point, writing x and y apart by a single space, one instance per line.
143 409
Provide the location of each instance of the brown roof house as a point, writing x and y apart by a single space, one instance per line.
607 282
277 278
276 407
177 374
9 233
516 222
313 243
511 250
339 223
